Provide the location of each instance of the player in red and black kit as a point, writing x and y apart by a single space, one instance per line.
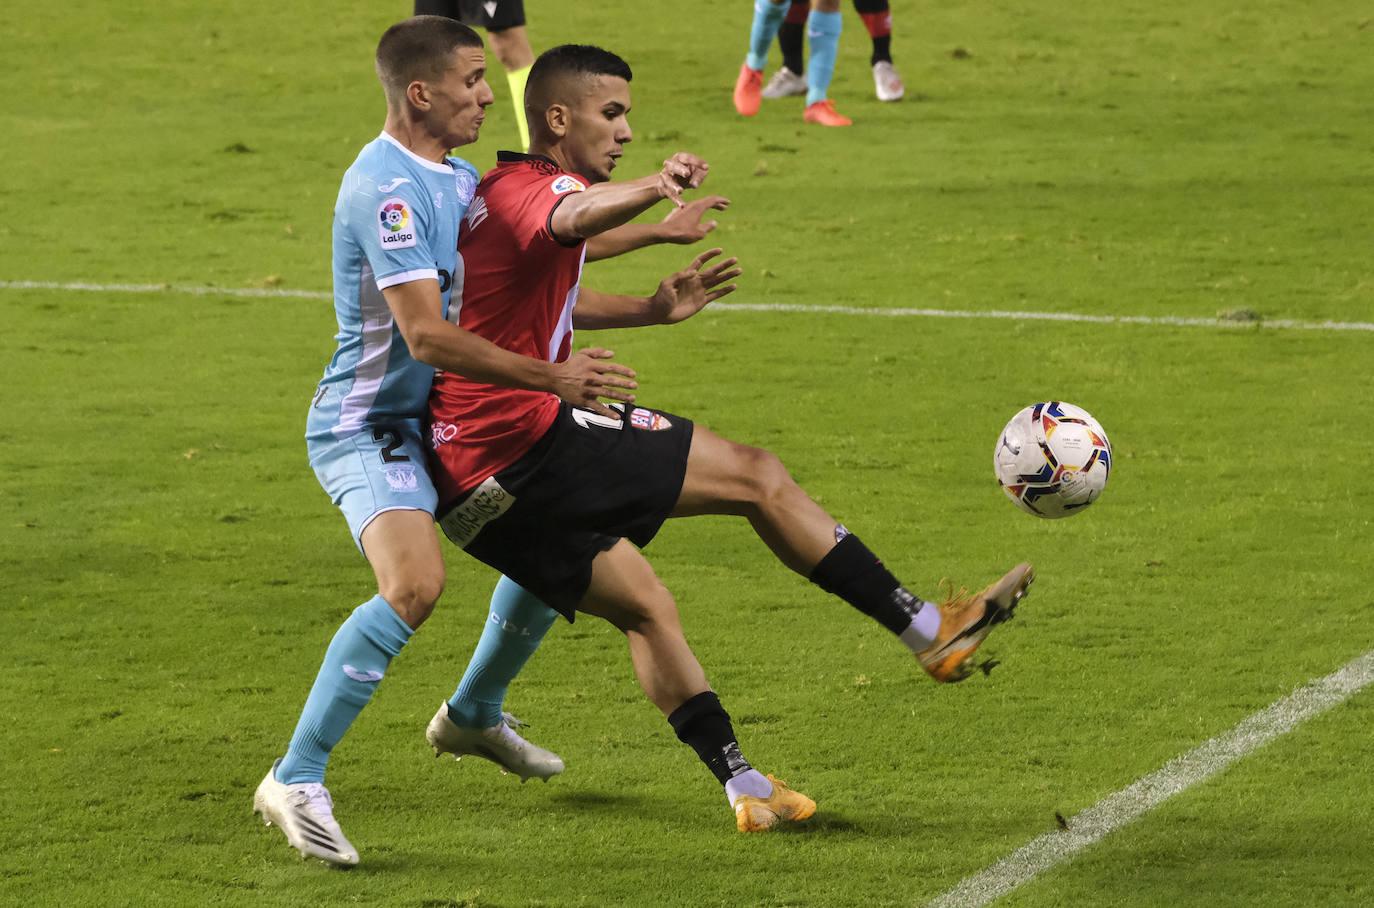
549 494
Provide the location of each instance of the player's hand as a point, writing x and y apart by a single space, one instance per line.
684 225
586 376
681 171
687 292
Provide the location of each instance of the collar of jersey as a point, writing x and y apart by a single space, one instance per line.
515 157
428 165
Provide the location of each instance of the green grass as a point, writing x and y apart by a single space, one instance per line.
172 573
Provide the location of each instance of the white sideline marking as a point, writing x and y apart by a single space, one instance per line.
999 314
1178 775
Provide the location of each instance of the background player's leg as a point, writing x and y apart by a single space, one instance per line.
625 591
823 28
789 79
512 48
768 15
877 18
791 34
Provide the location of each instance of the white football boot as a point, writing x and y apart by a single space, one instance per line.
887 82
500 744
785 84
305 812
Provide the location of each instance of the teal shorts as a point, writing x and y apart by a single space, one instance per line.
379 468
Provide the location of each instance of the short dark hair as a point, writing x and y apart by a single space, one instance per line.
420 47
549 78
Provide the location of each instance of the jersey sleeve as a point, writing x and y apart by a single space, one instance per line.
393 230
540 196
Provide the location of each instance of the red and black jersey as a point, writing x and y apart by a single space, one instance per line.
515 285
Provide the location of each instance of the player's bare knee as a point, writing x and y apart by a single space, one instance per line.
413 597
769 481
647 613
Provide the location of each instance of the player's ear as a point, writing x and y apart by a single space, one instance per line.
417 93
558 116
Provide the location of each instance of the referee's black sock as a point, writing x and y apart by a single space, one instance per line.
857 576
704 725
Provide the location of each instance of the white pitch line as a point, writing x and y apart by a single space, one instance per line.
163 288
1003 315
1176 776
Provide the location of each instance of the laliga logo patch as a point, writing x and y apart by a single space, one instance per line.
400 477
648 420
566 183
394 224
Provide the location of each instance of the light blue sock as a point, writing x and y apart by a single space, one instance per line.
516 626
823 34
356 660
767 18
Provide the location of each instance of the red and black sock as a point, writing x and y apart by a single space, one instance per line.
878 20
703 724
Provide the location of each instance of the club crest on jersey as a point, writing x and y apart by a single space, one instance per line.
395 225
566 183
465 184
400 477
648 420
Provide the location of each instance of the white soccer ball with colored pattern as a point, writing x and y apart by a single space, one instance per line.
1053 459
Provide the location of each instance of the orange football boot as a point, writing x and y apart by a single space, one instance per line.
748 90
756 814
965 621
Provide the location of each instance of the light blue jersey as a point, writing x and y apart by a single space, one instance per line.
396 220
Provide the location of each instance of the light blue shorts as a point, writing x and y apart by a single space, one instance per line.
379 468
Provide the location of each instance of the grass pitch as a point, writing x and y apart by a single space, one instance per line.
173 573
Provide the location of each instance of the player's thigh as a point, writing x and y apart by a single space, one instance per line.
403 548
512 47
726 477
625 591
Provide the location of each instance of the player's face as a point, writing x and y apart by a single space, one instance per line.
460 99
599 128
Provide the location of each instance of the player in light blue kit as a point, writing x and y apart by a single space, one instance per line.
394 258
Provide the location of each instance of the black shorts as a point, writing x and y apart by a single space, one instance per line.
503 14
585 485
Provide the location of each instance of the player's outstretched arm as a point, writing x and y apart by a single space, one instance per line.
582 215
681 225
581 380
679 296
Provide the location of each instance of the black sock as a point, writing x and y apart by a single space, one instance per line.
704 725
882 50
857 576
790 41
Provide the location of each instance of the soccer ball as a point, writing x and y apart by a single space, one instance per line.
1052 459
